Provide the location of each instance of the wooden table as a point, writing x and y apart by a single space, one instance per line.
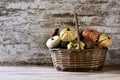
50 73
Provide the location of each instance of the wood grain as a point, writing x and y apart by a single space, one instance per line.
49 73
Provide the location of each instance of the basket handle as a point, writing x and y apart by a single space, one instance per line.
77 28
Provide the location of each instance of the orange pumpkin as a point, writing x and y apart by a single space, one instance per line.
90 34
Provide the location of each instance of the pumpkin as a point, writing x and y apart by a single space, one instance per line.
74 45
54 32
104 40
53 42
90 44
82 45
68 34
90 34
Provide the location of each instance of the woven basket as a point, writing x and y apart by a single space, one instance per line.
85 60
78 60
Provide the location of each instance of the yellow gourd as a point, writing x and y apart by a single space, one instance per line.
68 34
104 40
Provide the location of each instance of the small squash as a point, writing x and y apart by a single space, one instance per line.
53 42
104 40
90 34
68 34
74 45
90 44
54 32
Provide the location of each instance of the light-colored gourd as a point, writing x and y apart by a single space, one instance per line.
53 41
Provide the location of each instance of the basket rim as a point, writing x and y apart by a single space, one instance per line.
59 49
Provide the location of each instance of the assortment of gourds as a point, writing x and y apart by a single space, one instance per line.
67 39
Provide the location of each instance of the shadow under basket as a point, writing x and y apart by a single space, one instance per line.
78 60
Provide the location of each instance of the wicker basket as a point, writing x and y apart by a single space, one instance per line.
85 60
78 60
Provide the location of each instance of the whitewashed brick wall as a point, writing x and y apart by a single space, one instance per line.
25 26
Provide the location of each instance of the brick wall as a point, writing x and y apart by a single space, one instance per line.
25 26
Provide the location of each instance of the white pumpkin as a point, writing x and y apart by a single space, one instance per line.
53 41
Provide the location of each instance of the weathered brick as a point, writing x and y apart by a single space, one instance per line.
115 41
25 26
19 5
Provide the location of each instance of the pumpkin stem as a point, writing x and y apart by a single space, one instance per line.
92 30
68 29
108 37
52 38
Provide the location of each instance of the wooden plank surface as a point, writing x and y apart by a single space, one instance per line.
50 73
